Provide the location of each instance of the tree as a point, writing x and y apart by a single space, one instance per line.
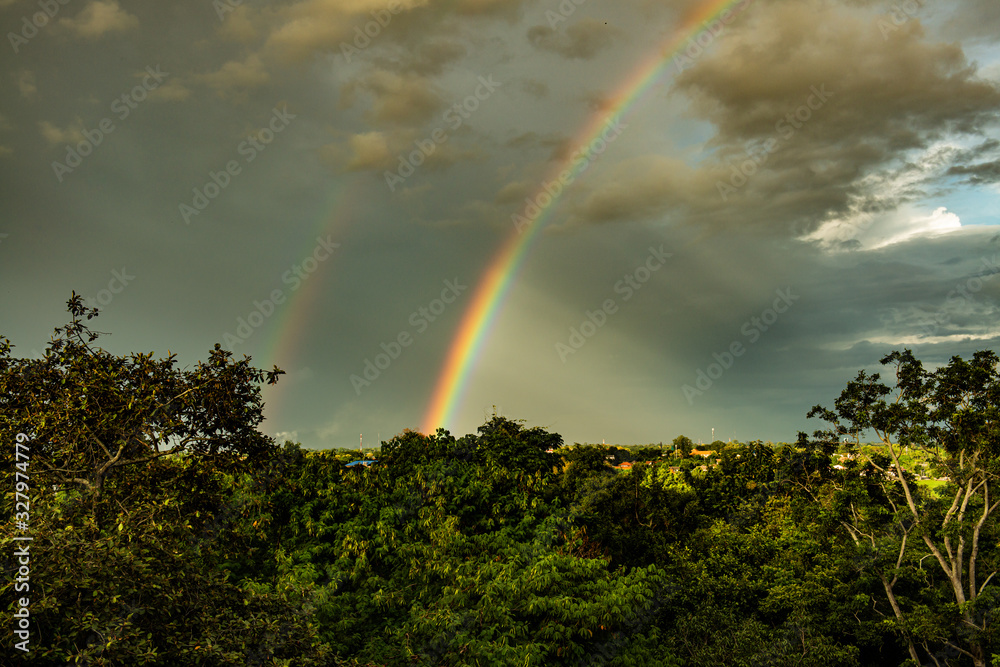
953 414
507 443
646 453
131 462
684 445
717 446
460 552
152 588
740 485
90 414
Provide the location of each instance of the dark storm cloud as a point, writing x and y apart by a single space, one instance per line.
820 100
978 174
884 143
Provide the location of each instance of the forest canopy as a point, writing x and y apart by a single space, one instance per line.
168 530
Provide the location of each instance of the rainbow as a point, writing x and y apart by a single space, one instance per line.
493 287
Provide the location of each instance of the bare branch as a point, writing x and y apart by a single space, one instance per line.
931 654
899 615
899 559
960 650
987 580
975 543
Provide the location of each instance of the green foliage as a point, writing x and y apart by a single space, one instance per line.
92 415
130 464
951 415
683 445
773 593
646 453
454 552
635 516
169 531
149 590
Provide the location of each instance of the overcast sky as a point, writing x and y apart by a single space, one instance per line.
270 177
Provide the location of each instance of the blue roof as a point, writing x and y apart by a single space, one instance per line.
366 462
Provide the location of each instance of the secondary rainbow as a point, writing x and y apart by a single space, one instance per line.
488 297
294 315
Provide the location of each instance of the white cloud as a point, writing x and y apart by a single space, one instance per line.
54 135
904 228
368 151
895 206
235 78
100 17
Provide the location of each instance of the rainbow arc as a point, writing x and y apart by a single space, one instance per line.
696 32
